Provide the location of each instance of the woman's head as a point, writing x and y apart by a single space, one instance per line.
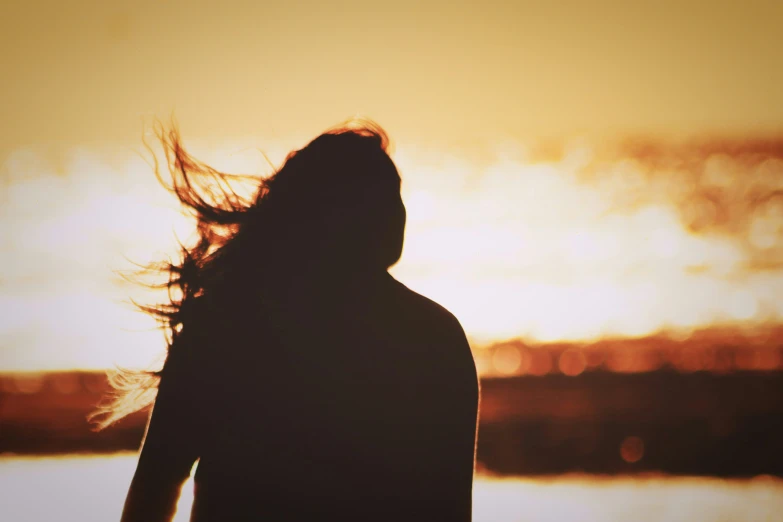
335 203
332 210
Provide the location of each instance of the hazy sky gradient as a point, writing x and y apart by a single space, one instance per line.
447 73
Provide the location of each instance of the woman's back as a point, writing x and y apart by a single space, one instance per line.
362 405
306 380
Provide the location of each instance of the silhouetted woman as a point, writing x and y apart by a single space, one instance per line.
305 380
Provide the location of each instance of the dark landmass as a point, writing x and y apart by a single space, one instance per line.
696 423
47 413
679 423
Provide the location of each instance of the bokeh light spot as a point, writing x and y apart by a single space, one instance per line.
632 449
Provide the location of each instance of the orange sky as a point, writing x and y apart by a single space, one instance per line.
450 73
516 237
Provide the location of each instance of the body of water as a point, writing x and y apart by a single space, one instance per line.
93 488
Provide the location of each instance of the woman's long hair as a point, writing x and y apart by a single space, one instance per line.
333 206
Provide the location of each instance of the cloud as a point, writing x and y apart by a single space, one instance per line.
584 241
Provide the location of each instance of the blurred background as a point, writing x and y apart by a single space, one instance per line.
595 189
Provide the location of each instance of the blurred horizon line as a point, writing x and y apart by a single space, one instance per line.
718 349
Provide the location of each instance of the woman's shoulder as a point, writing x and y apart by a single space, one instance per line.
445 344
427 311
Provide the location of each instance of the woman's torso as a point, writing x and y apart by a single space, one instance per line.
340 403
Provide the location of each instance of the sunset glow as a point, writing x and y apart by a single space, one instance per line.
575 247
593 189
534 208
